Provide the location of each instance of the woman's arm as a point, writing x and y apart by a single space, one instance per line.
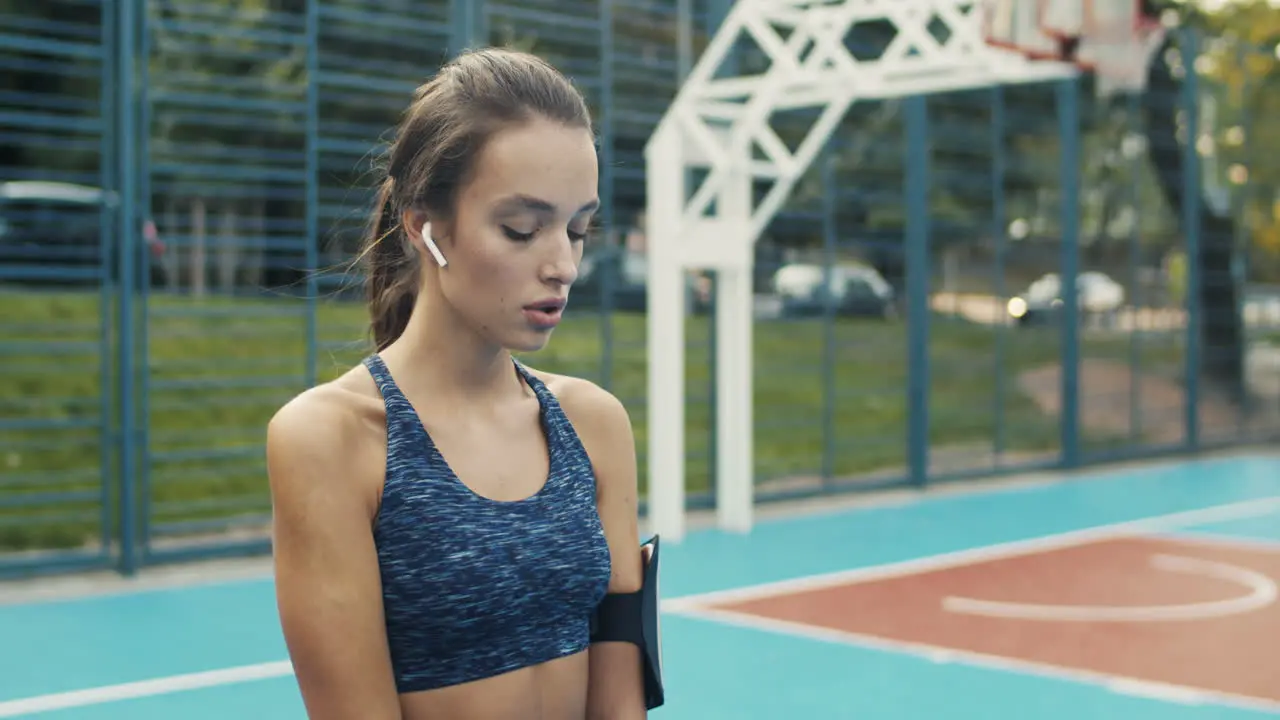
616 689
328 589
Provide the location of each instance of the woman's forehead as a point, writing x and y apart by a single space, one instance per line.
539 167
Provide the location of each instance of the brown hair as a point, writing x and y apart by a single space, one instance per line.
433 153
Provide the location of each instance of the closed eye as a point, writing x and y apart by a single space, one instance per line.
525 237
519 236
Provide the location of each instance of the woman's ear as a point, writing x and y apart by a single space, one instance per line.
412 222
417 227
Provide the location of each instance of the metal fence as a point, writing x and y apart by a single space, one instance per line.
194 173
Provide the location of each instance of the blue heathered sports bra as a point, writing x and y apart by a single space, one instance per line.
474 587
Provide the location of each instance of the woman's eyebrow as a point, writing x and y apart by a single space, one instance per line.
528 202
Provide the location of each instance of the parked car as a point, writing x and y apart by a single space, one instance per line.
855 291
50 234
628 285
1097 294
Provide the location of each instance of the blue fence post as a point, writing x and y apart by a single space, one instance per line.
713 399
1068 92
917 254
312 202
999 231
717 13
829 239
108 221
1191 217
465 24
607 216
1244 255
1136 334
127 157
142 270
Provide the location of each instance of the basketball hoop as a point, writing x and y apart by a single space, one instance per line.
1118 46
1113 39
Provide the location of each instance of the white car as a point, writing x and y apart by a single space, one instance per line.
855 290
1097 294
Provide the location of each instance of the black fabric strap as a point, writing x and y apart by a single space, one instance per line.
633 618
618 619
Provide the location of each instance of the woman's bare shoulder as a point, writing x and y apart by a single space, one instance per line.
330 432
331 410
600 418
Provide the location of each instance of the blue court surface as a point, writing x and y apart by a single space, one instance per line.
214 650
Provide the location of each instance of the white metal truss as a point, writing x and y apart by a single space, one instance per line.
720 125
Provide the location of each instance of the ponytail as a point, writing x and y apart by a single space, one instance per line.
391 288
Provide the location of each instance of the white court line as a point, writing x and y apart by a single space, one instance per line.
144 688
1181 694
1262 593
685 605
699 606
972 556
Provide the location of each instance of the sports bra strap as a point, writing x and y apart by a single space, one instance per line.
386 384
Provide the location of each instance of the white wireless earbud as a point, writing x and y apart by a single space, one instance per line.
431 245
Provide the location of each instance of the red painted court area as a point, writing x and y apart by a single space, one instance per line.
1194 614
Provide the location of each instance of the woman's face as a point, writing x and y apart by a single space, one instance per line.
514 245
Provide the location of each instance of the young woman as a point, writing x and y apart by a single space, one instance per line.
455 533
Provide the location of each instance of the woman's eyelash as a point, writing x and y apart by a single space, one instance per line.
516 235
525 237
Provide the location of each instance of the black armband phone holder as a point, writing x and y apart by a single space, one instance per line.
633 617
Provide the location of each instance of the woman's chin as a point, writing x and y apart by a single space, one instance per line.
529 341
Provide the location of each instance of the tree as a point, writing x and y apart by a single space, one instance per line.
1242 64
1249 89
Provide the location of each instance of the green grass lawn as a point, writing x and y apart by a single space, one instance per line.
218 368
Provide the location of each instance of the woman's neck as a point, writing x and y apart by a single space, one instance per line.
440 355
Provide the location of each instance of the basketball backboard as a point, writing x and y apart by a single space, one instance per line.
1114 39
1016 25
